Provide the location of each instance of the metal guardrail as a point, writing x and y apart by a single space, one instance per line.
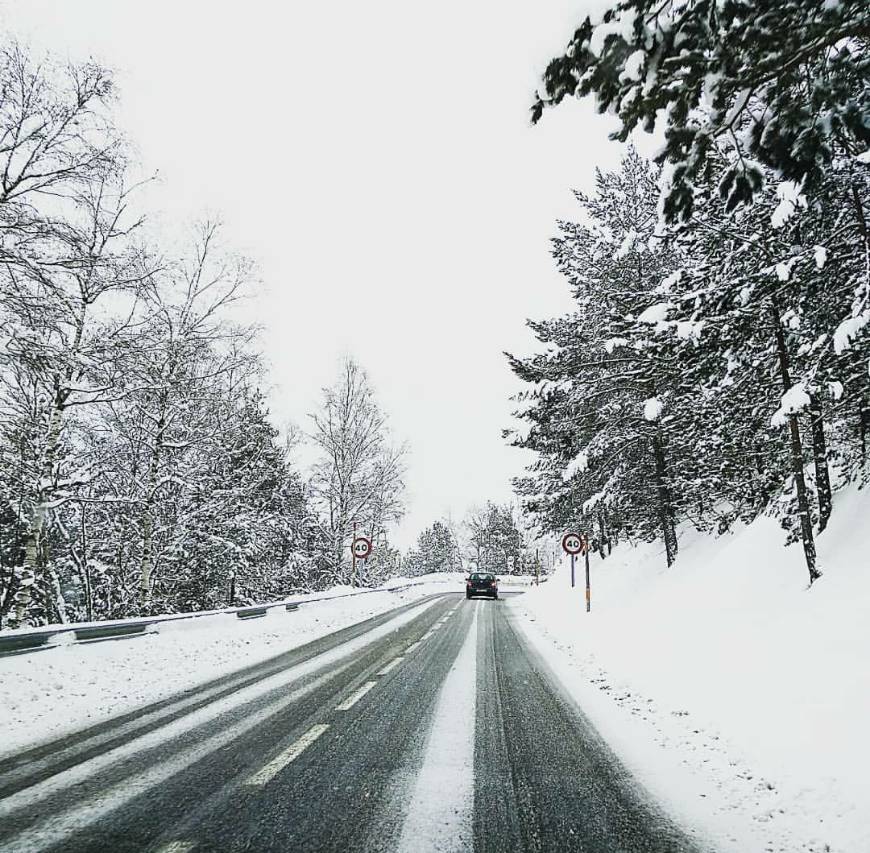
23 640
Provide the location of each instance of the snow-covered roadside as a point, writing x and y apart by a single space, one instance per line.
48 693
738 696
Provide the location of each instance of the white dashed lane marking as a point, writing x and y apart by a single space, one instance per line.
355 697
280 761
391 665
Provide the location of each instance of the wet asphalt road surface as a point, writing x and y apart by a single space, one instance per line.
433 727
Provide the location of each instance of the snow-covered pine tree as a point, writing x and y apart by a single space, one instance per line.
767 288
753 342
436 550
776 83
604 443
494 543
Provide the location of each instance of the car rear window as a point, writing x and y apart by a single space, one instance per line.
478 576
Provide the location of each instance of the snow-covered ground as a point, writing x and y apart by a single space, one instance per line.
46 693
737 694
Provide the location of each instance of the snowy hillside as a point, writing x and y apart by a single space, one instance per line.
726 673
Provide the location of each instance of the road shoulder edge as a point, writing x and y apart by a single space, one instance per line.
686 797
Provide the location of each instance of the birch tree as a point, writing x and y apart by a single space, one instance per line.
64 311
359 477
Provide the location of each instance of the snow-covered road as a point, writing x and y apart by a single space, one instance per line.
433 727
62 689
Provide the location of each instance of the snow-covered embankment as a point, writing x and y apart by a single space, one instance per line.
737 694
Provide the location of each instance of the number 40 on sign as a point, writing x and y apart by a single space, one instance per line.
361 547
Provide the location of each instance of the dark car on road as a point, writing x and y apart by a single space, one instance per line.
481 583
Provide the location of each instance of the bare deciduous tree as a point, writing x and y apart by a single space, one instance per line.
360 476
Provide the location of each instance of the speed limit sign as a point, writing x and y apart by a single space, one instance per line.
361 547
572 543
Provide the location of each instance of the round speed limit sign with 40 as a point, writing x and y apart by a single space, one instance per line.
362 547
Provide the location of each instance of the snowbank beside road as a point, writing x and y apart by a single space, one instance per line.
47 693
754 689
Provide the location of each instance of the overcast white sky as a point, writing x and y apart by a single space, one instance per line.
377 162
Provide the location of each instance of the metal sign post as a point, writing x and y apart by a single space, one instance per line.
588 587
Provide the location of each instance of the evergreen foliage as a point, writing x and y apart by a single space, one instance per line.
436 551
713 370
771 84
494 541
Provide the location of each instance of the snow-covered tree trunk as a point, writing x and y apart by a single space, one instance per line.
146 563
863 420
80 558
796 449
36 519
663 492
603 537
57 594
820 460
